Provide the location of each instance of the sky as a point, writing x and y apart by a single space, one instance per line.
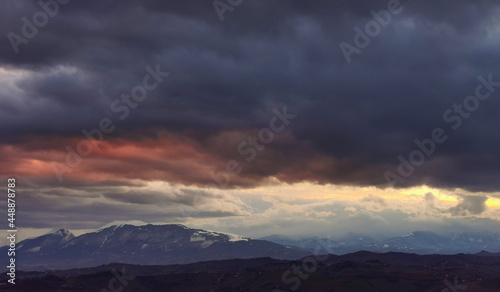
300 118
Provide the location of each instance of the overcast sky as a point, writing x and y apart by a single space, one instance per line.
264 88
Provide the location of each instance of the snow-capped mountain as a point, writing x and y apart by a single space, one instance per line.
143 244
45 243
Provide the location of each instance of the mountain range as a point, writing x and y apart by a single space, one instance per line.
177 244
147 244
419 242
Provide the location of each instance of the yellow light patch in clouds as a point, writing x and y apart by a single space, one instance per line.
493 203
290 196
328 192
447 198
312 191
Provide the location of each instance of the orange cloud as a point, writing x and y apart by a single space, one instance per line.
168 157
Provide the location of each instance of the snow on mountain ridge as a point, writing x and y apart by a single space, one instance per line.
232 237
123 223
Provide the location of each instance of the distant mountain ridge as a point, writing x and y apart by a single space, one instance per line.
168 244
147 244
419 242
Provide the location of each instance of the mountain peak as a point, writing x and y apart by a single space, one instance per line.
62 232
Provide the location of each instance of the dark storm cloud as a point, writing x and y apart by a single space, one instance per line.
229 75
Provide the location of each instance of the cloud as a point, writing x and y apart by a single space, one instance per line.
90 206
469 205
251 212
430 201
374 199
353 120
339 218
225 77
